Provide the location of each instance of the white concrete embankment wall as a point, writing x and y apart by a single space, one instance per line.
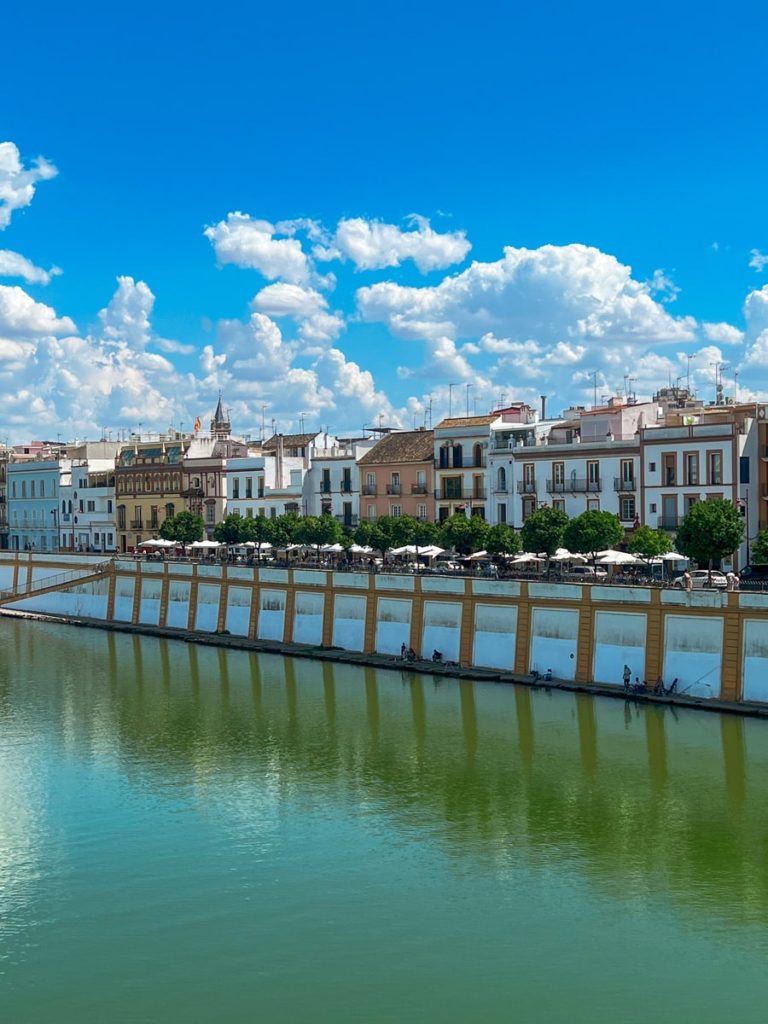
716 644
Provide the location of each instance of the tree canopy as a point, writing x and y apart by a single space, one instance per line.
648 543
319 530
760 548
543 530
184 527
464 534
502 540
710 531
592 531
230 530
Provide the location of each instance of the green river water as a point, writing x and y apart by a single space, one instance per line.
190 834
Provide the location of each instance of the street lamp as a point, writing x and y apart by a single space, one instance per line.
55 514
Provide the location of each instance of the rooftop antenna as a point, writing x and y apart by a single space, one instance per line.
430 412
719 367
593 375
736 387
468 386
688 385
450 398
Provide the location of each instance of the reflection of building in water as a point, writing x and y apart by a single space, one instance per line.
555 776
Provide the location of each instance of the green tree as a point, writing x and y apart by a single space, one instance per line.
259 531
464 534
318 531
502 540
184 527
230 530
648 544
542 532
760 548
283 530
592 531
710 531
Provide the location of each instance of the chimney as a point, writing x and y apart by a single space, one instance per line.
543 406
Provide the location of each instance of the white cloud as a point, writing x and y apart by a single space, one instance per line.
13 264
126 319
722 333
551 294
663 286
17 184
21 316
289 300
758 260
373 245
252 243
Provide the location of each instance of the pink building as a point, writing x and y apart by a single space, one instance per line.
397 476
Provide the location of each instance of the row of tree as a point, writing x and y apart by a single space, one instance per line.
710 531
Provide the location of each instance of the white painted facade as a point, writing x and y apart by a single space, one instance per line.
332 485
266 485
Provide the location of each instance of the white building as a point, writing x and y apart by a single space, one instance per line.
87 516
332 485
270 485
461 446
516 430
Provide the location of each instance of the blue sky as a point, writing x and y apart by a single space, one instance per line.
590 140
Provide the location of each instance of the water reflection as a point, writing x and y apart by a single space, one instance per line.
631 796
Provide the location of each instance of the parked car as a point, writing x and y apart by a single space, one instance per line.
587 573
700 580
755 572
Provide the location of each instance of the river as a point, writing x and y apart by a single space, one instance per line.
189 834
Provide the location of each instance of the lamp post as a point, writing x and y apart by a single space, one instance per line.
55 514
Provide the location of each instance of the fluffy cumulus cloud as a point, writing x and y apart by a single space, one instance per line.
13 264
553 293
18 183
374 245
22 317
256 244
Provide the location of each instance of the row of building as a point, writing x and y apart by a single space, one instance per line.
647 462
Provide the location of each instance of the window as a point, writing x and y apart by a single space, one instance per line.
273 513
653 506
235 511
395 511
170 510
346 480
23 488
42 488
91 506
744 469
236 487
593 504
421 511
669 469
31 488
210 513
137 517
260 486
558 476
452 488
559 504
421 481
715 467
691 469
501 513
593 476
651 467
394 486
689 500
325 483
249 487
501 479
458 456
80 507
443 458
371 513
121 517
477 455
13 489
627 508
153 517
529 507
109 505
627 474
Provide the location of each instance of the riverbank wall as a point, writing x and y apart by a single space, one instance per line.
715 644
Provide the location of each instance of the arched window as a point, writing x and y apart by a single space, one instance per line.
69 503
63 507
477 455
502 478
170 510
443 458
458 456
147 483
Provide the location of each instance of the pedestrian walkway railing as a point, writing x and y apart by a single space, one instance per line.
58 581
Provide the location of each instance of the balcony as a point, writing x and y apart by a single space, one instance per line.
369 490
347 520
325 487
668 522
137 524
419 489
346 486
526 486
394 489
619 484
501 489
473 494
574 485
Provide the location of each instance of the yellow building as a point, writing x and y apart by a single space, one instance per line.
149 486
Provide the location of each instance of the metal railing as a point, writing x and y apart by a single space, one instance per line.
394 489
668 522
369 490
526 486
574 485
55 581
419 489
620 484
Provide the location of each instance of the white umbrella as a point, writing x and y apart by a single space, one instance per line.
526 557
616 558
430 551
478 556
331 549
360 549
204 545
670 556
564 555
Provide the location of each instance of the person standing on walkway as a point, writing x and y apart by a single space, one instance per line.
687 580
627 678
